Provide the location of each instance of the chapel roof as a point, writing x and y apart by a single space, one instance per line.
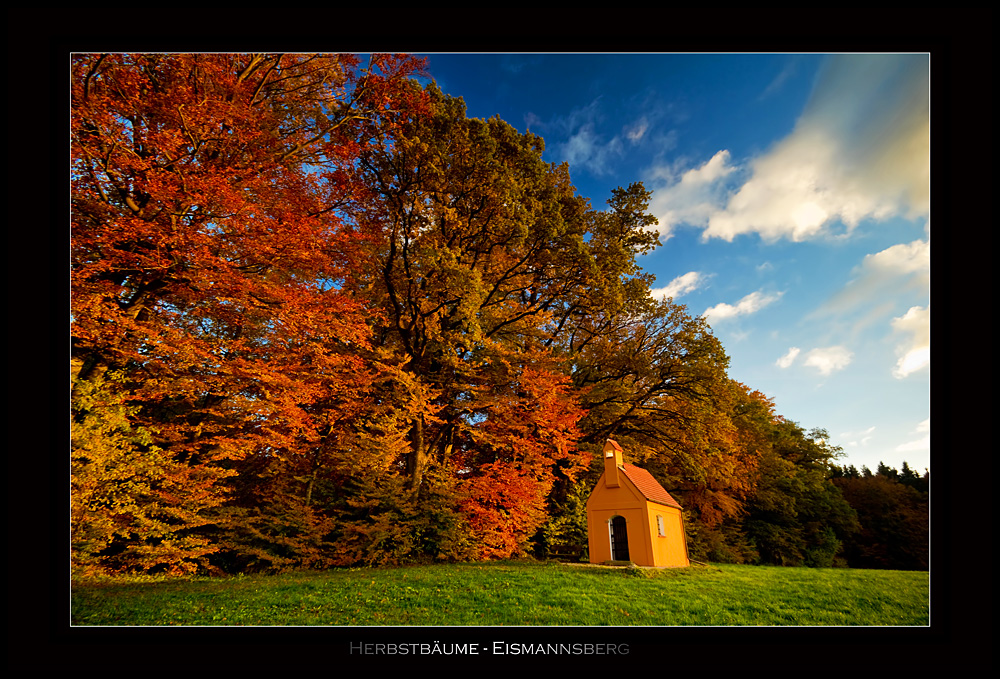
648 486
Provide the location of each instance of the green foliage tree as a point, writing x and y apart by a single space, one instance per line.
798 516
653 378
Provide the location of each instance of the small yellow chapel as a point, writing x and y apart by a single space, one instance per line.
631 517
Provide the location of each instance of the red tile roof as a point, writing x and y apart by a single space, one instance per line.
648 486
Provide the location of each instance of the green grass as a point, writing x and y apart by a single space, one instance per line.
515 593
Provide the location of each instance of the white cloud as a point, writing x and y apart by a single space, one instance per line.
692 196
912 361
901 259
915 351
861 150
889 274
752 303
829 359
716 168
921 444
789 358
680 285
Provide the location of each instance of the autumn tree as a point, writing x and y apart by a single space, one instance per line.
322 317
654 379
208 254
482 255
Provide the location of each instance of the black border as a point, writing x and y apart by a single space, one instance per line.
39 43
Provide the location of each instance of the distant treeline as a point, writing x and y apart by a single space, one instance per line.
893 517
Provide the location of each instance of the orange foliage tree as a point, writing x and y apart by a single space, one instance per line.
209 324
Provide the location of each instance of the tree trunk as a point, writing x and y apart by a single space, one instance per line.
418 455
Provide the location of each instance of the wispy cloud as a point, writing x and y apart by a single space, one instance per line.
905 265
681 285
915 351
895 273
779 80
917 445
921 444
752 303
636 131
857 439
789 358
829 359
586 149
902 259
861 150
515 63
585 142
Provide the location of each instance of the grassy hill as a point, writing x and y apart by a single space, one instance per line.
515 593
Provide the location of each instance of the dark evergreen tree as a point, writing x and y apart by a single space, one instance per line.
894 521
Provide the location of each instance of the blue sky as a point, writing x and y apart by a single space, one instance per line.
793 197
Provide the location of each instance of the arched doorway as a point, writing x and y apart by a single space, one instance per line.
619 539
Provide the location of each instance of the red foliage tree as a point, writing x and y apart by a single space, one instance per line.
208 251
525 440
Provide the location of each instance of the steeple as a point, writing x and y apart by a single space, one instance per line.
612 461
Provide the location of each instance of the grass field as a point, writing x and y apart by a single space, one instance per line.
515 593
